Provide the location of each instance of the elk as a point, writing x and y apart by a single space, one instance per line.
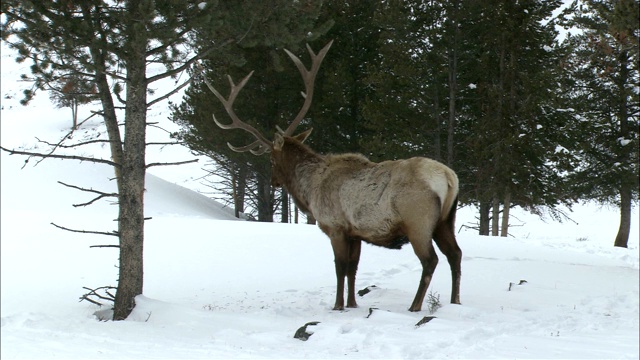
388 204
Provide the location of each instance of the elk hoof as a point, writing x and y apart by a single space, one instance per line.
338 308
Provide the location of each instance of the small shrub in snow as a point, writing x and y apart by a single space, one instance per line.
433 302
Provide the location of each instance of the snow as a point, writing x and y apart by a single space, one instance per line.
624 142
217 288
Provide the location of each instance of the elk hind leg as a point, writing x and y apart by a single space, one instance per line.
445 239
354 246
425 252
346 252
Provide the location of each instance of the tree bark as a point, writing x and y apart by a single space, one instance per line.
311 220
505 214
485 209
495 216
285 206
622 238
239 189
624 156
453 82
265 199
131 204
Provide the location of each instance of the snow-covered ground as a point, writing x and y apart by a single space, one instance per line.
222 288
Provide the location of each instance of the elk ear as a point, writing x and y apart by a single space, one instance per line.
278 142
303 136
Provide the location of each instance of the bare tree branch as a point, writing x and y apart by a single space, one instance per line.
172 163
167 143
98 141
165 96
188 63
104 246
113 233
94 293
102 194
69 157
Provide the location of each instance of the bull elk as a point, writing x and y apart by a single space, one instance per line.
353 199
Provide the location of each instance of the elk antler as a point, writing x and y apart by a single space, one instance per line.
309 77
262 145
258 147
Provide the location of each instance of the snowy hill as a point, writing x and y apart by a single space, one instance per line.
220 288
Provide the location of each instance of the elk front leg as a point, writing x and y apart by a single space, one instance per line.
347 255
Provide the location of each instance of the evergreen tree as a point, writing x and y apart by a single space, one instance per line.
113 45
341 92
405 110
513 124
605 99
271 98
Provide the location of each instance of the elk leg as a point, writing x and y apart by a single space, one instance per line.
341 254
429 260
354 246
446 241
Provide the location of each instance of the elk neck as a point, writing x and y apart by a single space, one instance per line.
299 164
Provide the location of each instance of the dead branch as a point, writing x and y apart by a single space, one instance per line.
104 246
94 293
172 163
68 157
112 233
100 193
167 95
98 141
167 143
65 137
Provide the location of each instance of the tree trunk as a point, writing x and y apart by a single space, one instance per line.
495 216
74 114
311 220
624 156
485 219
104 90
131 204
625 216
265 199
437 146
130 236
453 83
285 206
505 214
239 189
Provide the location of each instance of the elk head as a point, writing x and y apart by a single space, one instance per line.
261 145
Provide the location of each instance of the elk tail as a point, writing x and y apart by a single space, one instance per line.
450 203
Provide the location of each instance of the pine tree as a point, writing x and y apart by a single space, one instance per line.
113 45
605 98
341 92
405 110
510 120
271 98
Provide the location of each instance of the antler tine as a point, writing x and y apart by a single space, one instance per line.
309 77
261 145
256 148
